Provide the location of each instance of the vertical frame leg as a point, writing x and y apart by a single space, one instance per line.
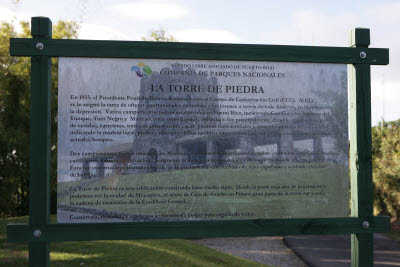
39 254
39 199
362 249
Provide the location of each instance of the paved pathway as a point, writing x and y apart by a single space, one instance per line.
334 250
268 250
312 251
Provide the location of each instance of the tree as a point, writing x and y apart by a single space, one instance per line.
159 36
386 167
15 119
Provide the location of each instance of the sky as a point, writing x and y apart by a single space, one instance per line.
319 23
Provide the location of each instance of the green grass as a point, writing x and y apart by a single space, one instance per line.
171 252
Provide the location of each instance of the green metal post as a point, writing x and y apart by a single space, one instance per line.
39 201
362 250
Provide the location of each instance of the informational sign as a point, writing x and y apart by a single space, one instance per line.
179 140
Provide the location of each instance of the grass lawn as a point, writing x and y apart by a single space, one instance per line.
171 252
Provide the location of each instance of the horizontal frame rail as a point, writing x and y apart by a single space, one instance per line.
197 229
174 50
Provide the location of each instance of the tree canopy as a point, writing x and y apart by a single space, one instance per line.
386 167
159 36
15 118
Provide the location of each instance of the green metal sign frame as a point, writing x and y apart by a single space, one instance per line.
361 224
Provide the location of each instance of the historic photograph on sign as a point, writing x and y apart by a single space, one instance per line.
179 140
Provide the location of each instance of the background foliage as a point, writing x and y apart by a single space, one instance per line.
386 167
14 119
159 35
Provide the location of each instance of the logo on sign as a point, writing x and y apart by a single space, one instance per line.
142 70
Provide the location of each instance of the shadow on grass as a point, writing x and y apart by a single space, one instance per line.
169 252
